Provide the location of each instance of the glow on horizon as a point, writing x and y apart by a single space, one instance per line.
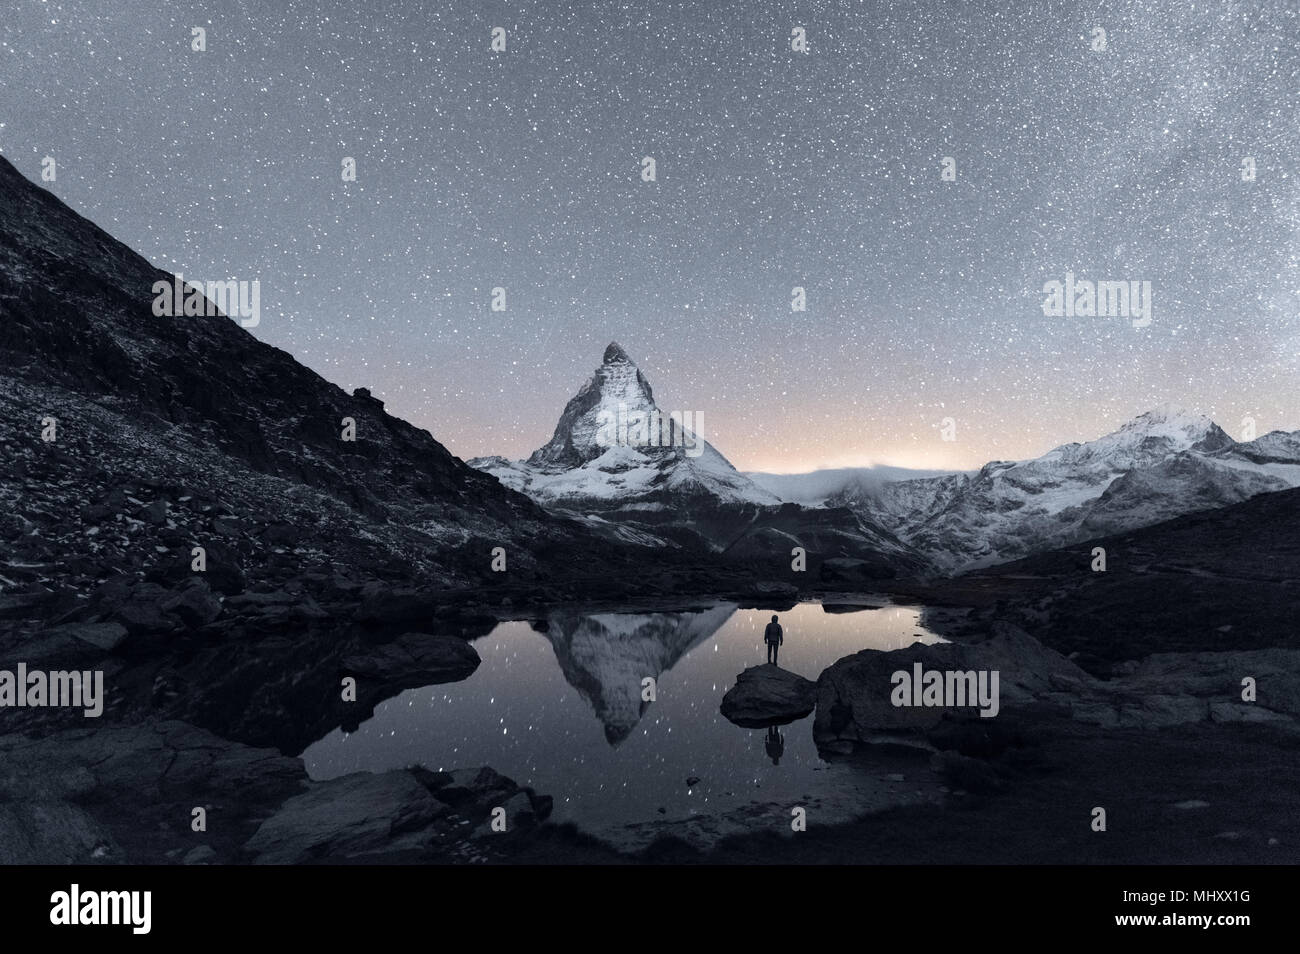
895 440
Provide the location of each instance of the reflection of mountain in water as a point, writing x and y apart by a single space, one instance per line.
606 656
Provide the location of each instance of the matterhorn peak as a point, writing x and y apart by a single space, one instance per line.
614 354
616 388
613 443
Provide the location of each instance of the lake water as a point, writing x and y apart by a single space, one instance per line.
562 711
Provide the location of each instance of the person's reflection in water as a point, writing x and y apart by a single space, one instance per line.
775 744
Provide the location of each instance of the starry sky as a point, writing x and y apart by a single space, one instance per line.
775 168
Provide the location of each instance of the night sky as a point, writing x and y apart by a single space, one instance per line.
775 169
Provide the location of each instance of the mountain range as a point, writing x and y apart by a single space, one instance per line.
1164 463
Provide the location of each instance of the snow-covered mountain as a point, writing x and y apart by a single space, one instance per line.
1162 464
613 445
632 472
599 468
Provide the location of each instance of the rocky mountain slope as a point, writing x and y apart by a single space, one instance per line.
1214 580
173 432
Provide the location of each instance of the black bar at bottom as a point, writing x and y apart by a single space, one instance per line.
330 903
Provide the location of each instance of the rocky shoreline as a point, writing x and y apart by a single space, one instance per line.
210 717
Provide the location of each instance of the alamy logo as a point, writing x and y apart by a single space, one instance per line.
236 299
74 906
624 428
1100 299
77 690
946 688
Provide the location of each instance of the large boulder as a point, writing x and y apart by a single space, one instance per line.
56 791
768 695
356 815
855 694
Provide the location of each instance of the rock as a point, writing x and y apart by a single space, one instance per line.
223 572
154 513
521 815
284 535
693 781
1218 676
519 811
48 832
854 695
226 526
276 607
543 805
201 855
767 695
1168 689
476 792
152 773
260 601
141 612
195 605
347 817
24 605
476 789
307 608
419 658
103 636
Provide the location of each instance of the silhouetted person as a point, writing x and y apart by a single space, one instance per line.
775 744
774 637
